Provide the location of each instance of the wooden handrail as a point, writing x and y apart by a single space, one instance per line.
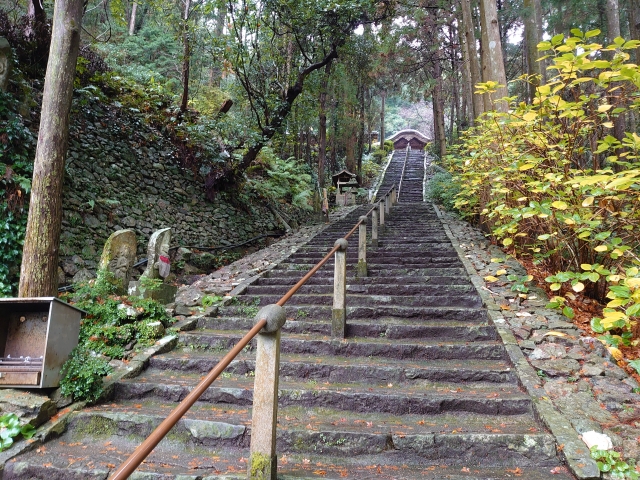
146 447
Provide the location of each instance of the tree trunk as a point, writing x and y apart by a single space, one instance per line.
531 41
465 72
634 31
383 96
36 15
322 125
186 57
350 157
281 112
132 20
361 120
474 65
216 69
613 20
438 110
492 60
333 141
39 270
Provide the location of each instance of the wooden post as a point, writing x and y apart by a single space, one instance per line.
387 202
381 209
374 226
263 462
361 270
339 313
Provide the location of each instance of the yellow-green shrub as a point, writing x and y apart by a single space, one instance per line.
550 179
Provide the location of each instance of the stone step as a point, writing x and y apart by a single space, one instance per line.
427 280
468 300
394 328
313 444
212 340
386 398
422 314
395 272
348 369
379 289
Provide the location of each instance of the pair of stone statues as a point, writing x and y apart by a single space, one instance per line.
119 255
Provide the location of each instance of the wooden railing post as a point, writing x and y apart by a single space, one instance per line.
361 270
339 313
263 462
381 211
374 226
394 196
387 204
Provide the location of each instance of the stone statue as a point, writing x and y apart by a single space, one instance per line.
158 254
118 257
5 63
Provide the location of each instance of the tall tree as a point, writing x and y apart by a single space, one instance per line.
492 59
39 271
322 125
318 29
531 15
470 44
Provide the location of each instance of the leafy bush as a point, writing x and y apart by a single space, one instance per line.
113 324
275 179
443 190
82 375
16 167
10 428
551 181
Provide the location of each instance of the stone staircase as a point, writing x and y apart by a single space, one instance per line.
421 388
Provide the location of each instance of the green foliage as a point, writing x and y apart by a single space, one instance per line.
610 461
370 170
211 300
149 58
278 180
379 154
10 428
111 324
551 182
443 190
82 375
16 168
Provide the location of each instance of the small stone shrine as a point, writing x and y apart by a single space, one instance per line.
118 257
151 283
158 254
347 185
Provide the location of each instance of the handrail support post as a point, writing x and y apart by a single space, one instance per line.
361 270
394 196
382 212
374 226
387 204
263 459
339 312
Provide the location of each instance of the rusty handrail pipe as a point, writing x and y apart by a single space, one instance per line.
146 447
304 279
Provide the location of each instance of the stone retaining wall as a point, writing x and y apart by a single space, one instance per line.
121 173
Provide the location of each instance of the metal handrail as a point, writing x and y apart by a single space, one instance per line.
146 447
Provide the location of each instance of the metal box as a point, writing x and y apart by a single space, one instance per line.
36 338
